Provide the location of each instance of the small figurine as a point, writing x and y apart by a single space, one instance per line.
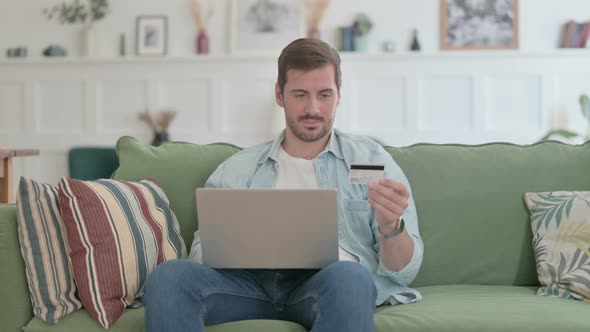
54 50
415 46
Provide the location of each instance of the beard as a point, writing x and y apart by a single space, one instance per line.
313 135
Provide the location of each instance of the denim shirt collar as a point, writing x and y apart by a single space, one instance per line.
332 147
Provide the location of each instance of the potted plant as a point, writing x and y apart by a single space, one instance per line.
361 28
566 134
85 12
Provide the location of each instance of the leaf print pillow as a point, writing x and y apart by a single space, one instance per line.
560 221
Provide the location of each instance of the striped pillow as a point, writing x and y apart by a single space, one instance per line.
118 232
44 250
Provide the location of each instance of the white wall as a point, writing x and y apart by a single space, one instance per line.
22 23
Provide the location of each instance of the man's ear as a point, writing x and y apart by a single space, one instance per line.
279 95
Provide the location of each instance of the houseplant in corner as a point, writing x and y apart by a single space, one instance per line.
563 134
86 13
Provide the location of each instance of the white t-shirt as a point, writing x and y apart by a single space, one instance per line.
299 173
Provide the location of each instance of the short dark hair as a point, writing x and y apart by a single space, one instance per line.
308 54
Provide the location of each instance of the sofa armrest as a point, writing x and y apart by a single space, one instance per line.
15 306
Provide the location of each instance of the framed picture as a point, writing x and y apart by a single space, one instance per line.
265 26
152 35
478 25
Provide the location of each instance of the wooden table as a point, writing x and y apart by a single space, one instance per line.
6 155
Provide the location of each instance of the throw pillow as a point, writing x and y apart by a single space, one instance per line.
560 223
179 168
118 232
45 252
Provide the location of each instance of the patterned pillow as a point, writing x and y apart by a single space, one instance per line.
118 232
45 252
560 222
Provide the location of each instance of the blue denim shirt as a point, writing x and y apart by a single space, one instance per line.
257 167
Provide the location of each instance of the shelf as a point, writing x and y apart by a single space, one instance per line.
346 56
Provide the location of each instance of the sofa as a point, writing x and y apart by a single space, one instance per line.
479 270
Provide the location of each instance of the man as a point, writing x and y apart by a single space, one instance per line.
380 252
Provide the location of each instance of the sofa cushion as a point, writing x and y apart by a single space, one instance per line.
560 222
178 167
118 232
444 308
45 251
484 308
133 321
15 310
473 221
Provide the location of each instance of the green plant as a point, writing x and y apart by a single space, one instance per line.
568 134
78 12
362 25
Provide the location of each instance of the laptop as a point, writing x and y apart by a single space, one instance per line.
268 228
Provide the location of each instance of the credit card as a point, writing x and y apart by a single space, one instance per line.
365 173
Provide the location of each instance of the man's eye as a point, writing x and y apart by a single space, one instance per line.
326 95
299 96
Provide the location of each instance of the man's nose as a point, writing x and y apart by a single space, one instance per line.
313 105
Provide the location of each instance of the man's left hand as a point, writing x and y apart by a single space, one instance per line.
390 200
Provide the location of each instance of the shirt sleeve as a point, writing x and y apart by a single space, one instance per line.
405 276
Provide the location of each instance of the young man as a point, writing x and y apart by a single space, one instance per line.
380 252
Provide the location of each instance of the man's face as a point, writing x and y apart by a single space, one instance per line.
310 99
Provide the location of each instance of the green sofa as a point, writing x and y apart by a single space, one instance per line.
479 268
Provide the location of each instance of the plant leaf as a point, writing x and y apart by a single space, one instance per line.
585 106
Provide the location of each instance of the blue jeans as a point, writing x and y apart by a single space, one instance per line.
182 295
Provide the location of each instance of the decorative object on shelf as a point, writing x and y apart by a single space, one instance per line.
17 52
361 27
264 26
160 123
479 25
202 22
389 46
85 13
559 129
55 50
346 39
122 45
415 45
151 35
316 9
576 35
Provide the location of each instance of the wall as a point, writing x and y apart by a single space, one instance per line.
400 99
22 23
466 97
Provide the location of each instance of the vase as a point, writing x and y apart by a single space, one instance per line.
314 33
202 43
346 39
361 43
89 44
160 138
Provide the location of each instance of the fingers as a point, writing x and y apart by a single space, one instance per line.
389 198
384 215
390 190
396 186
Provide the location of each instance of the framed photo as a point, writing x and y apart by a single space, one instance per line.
478 25
152 35
265 26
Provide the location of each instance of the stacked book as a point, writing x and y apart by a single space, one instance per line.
576 35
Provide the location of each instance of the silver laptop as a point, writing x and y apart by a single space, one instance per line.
268 228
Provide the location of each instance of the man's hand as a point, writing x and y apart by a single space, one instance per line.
390 200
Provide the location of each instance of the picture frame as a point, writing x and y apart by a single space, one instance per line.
151 35
479 25
264 26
